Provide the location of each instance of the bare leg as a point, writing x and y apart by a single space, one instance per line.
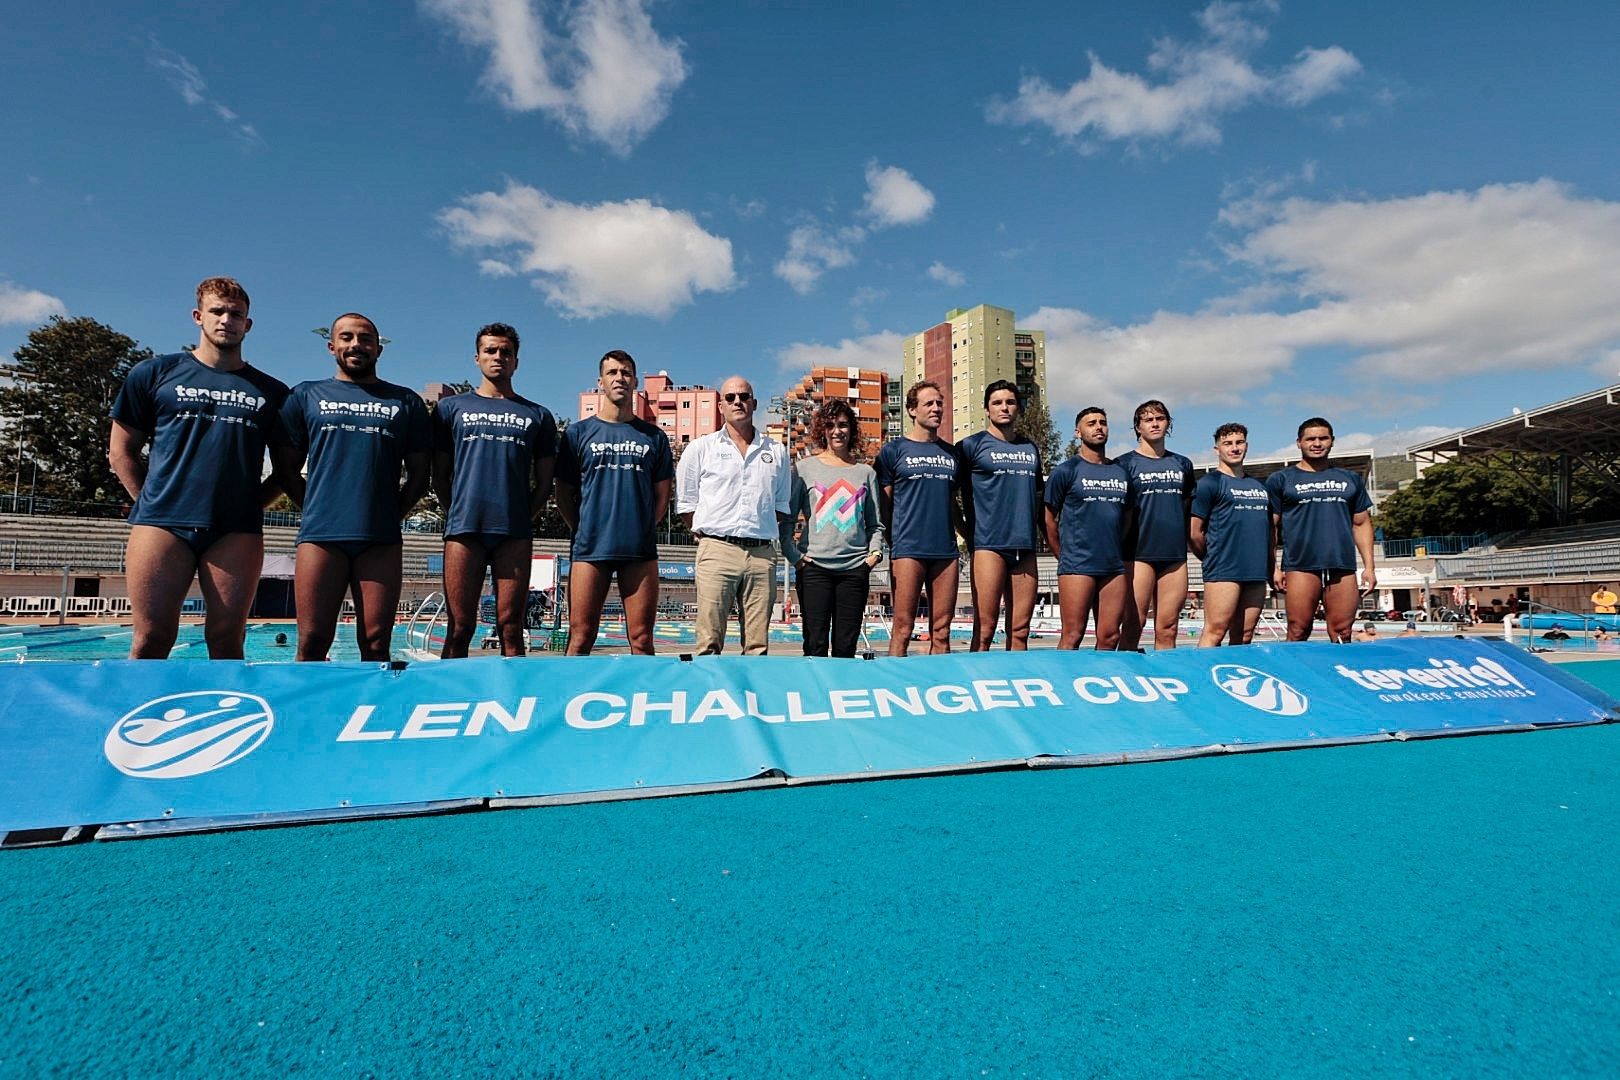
1339 601
587 592
1249 606
906 577
509 567
160 567
1221 599
1023 581
464 567
1075 594
1142 581
942 586
320 579
1304 591
1170 593
229 575
374 581
987 581
1113 597
638 588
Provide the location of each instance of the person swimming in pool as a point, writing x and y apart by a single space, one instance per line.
1322 515
493 453
199 499
359 436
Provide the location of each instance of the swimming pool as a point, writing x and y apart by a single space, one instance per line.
111 642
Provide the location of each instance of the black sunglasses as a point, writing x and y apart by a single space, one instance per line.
737 397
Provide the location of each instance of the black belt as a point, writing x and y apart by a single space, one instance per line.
739 541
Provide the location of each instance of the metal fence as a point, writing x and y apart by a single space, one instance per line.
1576 562
1454 544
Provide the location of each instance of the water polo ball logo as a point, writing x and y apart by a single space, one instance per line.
1258 690
188 734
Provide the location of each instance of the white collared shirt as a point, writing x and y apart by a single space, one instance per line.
730 494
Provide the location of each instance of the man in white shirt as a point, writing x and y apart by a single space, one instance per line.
731 489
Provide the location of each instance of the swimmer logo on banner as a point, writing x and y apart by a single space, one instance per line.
132 741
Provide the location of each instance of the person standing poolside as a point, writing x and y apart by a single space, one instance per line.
1000 481
1161 489
1323 514
493 452
357 434
615 476
916 475
1231 533
837 495
733 487
199 502
1088 517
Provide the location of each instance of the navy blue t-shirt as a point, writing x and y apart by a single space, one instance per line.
1000 481
615 467
493 443
922 478
1316 509
355 437
1091 502
1160 488
1236 511
209 429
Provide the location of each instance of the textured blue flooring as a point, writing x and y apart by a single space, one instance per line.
1442 908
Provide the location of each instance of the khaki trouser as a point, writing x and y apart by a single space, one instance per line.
729 576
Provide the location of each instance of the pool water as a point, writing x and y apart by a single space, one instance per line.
111 642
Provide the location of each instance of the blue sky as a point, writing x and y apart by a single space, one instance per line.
1406 217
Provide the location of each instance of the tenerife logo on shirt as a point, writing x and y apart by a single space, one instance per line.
1258 690
1102 483
196 395
625 446
188 734
499 419
1013 457
1163 476
924 461
1257 494
1308 487
359 408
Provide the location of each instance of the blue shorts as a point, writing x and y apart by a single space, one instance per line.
352 549
488 541
198 540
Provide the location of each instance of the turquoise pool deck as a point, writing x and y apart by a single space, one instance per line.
1445 908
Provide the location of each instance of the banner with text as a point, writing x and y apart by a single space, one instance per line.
126 741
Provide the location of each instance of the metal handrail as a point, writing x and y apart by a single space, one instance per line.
438 603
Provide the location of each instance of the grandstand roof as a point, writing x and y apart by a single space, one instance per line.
1359 462
1585 425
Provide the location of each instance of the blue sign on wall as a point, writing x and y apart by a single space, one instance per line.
126 741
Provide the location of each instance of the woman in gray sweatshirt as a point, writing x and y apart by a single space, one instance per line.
843 535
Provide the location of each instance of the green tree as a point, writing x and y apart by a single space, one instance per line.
64 378
1035 424
1492 493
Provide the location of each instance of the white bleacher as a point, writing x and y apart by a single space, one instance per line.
93 606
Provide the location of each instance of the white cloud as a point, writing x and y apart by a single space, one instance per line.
1189 89
628 257
893 197
1427 288
605 72
188 82
813 250
882 351
27 306
946 276
1382 443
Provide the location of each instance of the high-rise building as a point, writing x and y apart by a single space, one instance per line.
971 349
865 389
683 412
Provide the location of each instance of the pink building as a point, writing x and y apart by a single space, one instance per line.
683 412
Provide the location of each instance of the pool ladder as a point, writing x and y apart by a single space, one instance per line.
419 629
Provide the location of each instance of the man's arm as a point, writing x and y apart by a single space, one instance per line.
1050 520
124 455
545 469
288 464
1196 537
687 472
417 475
663 492
568 504
1279 580
269 489
444 467
1362 526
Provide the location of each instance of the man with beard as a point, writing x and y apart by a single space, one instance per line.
358 434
